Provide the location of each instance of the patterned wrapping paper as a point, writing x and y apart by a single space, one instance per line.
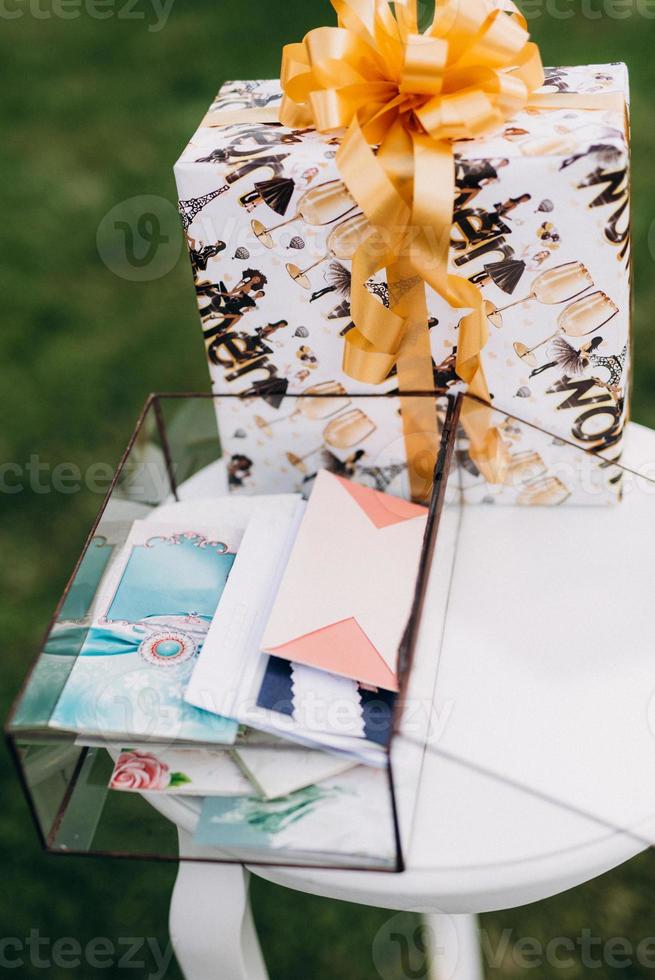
541 221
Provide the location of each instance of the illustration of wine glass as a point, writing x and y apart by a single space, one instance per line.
322 205
561 144
333 399
544 492
582 317
524 467
299 461
348 429
342 243
342 432
556 285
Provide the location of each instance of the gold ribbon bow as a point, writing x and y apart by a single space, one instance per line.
402 98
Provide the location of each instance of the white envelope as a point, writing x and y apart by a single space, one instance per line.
347 591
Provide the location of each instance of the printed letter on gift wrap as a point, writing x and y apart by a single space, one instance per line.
347 591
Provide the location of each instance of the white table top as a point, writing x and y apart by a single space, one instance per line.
543 773
547 684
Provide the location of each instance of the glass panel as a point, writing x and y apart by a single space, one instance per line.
276 443
50 760
192 434
545 684
419 712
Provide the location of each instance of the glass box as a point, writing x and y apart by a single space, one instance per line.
174 457
465 575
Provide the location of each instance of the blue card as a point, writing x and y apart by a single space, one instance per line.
148 623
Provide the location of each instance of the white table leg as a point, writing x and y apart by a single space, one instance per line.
211 924
454 947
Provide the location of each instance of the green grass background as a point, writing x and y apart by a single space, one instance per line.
93 112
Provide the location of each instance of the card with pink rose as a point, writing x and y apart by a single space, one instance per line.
187 772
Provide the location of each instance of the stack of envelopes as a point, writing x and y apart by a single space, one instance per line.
243 652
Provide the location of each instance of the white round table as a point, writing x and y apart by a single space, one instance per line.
543 777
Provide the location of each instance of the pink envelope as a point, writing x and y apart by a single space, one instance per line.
346 594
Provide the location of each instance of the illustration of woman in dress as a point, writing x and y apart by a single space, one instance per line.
338 280
201 256
271 390
575 362
271 328
227 306
506 273
276 193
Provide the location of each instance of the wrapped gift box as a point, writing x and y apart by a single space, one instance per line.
541 225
